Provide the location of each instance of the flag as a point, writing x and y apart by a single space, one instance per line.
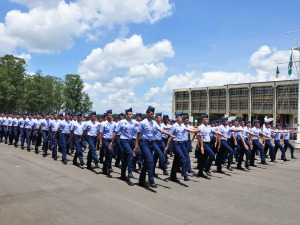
277 72
290 68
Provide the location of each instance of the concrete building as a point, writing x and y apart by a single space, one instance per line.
275 99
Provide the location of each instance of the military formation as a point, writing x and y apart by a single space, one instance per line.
137 143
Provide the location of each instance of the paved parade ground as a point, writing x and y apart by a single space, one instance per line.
39 191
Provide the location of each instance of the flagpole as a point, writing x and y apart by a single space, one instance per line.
297 142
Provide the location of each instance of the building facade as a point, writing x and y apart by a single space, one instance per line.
275 99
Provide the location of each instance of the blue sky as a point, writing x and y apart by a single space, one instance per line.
133 53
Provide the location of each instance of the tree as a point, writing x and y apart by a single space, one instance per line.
75 99
12 74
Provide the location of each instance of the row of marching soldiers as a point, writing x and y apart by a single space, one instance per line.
222 141
139 143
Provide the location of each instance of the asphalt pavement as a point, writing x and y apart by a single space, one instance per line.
37 191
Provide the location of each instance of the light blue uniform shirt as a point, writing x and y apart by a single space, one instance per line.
5 121
54 125
65 126
119 131
28 123
267 131
107 129
9 119
277 135
166 128
225 131
21 123
15 122
257 132
287 135
178 131
246 130
45 124
126 127
157 135
77 127
92 128
186 133
147 129
36 124
207 131
136 129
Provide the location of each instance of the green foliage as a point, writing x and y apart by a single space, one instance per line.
75 99
37 93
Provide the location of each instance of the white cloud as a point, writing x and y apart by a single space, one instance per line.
130 53
38 3
24 56
149 71
51 26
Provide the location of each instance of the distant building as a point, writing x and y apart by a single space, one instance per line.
275 99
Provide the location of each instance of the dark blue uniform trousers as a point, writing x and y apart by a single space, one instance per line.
109 154
119 151
243 151
28 138
138 158
287 144
22 134
127 146
279 145
185 150
257 146
92 154
208 157
64 145
45 141
268 145
79 152
179 160
147 149
54 143
159 148
16 135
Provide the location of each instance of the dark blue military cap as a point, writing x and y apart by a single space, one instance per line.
24 114
256 121
55 112
121 114
93 113
185 117
224 118
47 114
267 123
104 115
178 114
247 121
173 121
204 116
108 111
143 117
138 114
277 124
165 117
128 110
61 114
79 114
158 114
287 125
67 113
150 109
